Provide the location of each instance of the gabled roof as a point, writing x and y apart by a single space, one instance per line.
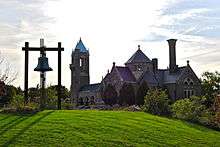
90 87
138 57
125 74
81 46
172 77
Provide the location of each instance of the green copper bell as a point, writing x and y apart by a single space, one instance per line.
43 65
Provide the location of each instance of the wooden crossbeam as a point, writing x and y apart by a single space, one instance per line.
59 48
44 48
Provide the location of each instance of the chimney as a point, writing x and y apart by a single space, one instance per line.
155 64
172 54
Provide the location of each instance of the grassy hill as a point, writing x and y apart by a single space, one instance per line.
101 128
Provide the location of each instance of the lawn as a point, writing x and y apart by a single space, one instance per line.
101 128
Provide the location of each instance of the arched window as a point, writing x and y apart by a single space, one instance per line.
188 82
188 92
80 62
86 101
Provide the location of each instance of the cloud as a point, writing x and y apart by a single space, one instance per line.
112 30
20 21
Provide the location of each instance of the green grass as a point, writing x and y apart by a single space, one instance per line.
101 128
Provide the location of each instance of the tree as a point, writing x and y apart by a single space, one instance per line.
3 98
215 121
141 93
11 91
8 74
127 95
64 91
156 102
110 95
210 86
51 96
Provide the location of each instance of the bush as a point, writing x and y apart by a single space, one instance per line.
17 105
67 105
191 109
17 102
156 102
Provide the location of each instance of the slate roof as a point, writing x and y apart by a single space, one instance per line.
150 78
162 76
171 77
81 46
91 87
138 57
125 74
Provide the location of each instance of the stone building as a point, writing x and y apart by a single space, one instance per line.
81 89
180 82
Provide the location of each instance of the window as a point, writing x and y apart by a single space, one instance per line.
188 93
80 62
139 67
188 82
185 93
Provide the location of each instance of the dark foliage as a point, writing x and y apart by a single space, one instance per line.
141 93
127 95
109 95
11 91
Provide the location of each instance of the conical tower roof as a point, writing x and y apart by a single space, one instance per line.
81 46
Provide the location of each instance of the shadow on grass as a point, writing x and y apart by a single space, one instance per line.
18 119
8 126
22 131
4 118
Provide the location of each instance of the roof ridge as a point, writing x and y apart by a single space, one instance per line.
138 56
121 66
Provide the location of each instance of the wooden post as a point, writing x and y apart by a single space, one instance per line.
59 76
42 77
26 73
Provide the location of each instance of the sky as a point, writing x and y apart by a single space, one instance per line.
112 31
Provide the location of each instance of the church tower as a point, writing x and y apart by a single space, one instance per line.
79 70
